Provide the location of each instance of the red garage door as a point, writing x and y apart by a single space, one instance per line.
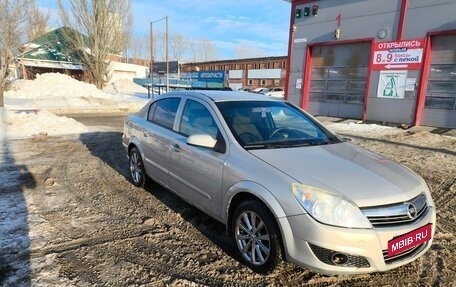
338 80
440 103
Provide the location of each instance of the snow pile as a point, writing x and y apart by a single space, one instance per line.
61 93
54 85
29 105
17 84
125 87
362 129
43 123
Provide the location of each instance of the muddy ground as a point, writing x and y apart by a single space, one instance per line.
69 216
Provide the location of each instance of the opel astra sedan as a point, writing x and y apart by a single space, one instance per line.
285 187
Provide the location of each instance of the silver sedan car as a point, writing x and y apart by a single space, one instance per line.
285 187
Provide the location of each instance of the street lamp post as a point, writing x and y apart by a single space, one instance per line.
151 72
167 58
152 54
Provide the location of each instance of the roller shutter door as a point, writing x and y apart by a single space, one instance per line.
440 103
338 80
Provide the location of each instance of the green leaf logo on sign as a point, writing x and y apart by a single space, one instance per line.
390 88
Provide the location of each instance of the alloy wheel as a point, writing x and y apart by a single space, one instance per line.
136 167
252 238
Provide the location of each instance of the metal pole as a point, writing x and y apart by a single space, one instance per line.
151 72
152 55
167 58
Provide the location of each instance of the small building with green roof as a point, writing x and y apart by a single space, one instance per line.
50 53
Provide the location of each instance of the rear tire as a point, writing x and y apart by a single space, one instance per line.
137 170
256 236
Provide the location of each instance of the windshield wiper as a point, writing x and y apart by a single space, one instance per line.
303 144
255 146
266 146
288 144
274 145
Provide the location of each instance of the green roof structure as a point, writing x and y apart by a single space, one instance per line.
53 50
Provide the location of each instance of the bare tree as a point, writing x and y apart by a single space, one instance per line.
138 48
105 26
159 46
13 24
179 46
203 50
243 51
38 21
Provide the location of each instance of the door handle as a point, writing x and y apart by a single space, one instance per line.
176 148
146 134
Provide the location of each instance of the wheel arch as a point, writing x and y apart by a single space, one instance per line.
251 190
134 142
248 190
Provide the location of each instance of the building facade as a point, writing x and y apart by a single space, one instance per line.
52 53
390 61
246 73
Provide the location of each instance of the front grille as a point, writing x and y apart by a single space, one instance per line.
397 214
406 254
324 255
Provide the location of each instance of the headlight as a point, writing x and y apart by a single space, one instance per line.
329 208
427 191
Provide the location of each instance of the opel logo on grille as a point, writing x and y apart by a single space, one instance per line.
411 211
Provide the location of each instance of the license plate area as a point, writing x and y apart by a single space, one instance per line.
409 240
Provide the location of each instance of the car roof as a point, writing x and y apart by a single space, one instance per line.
221 96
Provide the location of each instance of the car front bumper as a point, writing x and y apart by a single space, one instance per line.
311 244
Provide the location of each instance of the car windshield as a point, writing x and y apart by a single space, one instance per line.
272 124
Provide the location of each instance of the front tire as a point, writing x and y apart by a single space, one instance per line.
256 236
137 170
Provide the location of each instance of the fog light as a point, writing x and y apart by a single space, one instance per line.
339 258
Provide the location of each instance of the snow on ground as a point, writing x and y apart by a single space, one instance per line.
31 105
26 124
126 87
362 128
61 93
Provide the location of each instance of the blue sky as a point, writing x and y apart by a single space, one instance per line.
261 25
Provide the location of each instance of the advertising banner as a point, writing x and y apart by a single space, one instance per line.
212 76
405 55
391 84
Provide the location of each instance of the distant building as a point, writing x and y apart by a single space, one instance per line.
387 61
160 67
245 73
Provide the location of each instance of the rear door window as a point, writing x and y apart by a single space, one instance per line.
163 112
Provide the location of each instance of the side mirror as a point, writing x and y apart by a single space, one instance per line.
201 140
206 141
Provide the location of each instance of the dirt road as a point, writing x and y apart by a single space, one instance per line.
69 216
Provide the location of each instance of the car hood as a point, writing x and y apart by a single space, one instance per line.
368 179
